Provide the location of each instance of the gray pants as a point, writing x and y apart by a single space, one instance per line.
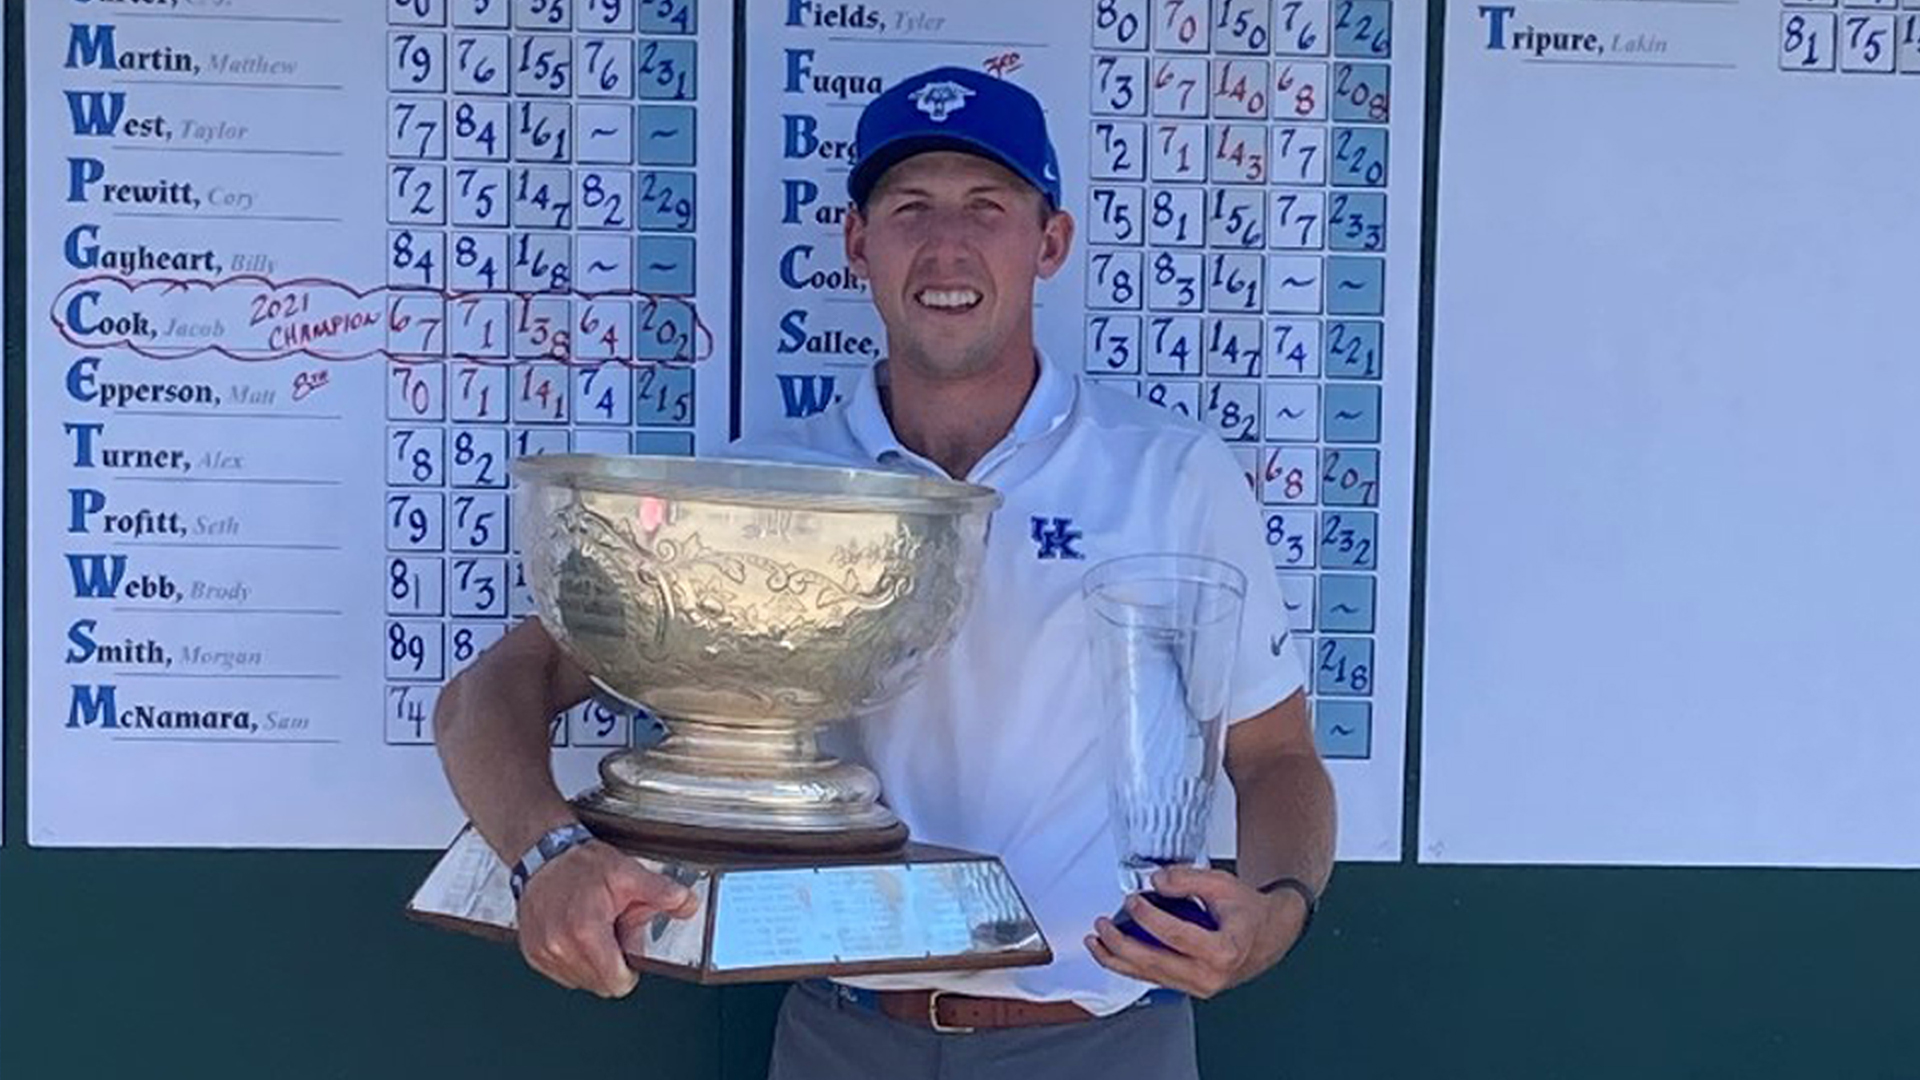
821 1036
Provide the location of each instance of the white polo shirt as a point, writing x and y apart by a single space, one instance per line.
996 749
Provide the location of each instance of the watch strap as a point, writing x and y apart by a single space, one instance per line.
549 847
1306 893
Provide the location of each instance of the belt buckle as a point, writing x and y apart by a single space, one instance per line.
933 1016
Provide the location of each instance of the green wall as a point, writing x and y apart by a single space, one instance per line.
291 966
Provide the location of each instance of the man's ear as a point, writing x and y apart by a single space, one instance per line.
1056 242
853 227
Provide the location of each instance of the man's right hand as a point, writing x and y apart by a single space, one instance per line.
582 913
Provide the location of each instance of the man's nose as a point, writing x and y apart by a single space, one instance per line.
947 230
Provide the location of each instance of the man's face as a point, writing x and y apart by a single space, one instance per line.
951 245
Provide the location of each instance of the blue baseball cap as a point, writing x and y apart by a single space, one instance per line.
954 108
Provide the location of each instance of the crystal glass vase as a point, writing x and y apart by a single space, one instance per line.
1164 631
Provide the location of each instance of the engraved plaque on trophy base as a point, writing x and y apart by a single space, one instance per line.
770 918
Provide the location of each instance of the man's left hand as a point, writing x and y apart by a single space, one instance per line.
1256 929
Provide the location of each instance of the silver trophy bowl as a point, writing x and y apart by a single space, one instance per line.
747 605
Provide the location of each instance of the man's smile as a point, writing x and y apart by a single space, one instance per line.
957 299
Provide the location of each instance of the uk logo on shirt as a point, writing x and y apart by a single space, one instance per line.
1056 537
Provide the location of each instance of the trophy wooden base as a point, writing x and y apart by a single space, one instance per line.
766 916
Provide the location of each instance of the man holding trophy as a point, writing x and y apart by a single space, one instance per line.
1123 641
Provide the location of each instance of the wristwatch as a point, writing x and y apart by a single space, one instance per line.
544 850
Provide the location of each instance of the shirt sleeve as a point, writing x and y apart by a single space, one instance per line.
1223 520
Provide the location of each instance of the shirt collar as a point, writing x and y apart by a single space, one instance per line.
1047 407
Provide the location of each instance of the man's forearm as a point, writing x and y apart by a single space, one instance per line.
491 728
1286 816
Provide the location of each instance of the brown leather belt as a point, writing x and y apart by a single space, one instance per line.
942 1010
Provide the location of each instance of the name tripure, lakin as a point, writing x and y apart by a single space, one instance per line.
100 707
1502 36
84 385
803 79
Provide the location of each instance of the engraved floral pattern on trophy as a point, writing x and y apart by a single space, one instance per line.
746 629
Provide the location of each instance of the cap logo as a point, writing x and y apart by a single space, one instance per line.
940 100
